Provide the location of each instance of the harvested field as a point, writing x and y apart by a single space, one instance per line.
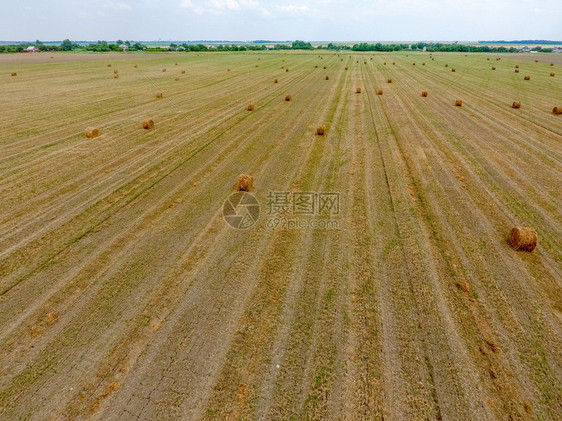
124 294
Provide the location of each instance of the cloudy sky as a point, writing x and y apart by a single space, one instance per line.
310 20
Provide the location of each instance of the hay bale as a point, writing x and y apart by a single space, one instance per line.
551 74
346 68
276 81
177 78
282 67
163 70
393 63
413 64
389 81
446 65
324 67
116 76
228 70
453 70
183 72
13 74
320 131
327 77
358 90
493 68
517 66
316 67
245 182
527 77
384 63
288 98
424 93
458 103
175 64
257 65
136 66
287 69
516 104
423 64
109 65
159 95
116 71
552 64
536 61
523 238
379 92
148 124
516 70
250 107
488 59
91 132
557 110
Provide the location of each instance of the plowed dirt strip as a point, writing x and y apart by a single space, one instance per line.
125 295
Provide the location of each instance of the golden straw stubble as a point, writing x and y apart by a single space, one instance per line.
523 238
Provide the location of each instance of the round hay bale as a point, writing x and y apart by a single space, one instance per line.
523 238
245 182
116 71
458 103
13 74
320 131
287 69
551 74
324 67
552 64
276 81
413 64
163 70
250 107
488 59
446 65
358 90
346 68
423 64
384 63
136 66
379 92
536 61
183 72
527 77
516 104
116 76
316 67
557 110
175 64
109 65
148 124
177 78
288 98
517 66
91 132
284 67
424 93
389 81
453 70
516 70
228 70
493 68
159 95
393 63
327 77
257 65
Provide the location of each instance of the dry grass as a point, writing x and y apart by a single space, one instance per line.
92 132
148 124
458 103
245 182
320 130
250 107
516 104
523 238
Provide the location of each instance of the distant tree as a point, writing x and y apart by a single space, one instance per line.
301 45
66 45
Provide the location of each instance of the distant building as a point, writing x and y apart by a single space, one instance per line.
525 50
557 50
124 47
31 49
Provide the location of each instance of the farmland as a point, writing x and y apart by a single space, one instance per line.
124 294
